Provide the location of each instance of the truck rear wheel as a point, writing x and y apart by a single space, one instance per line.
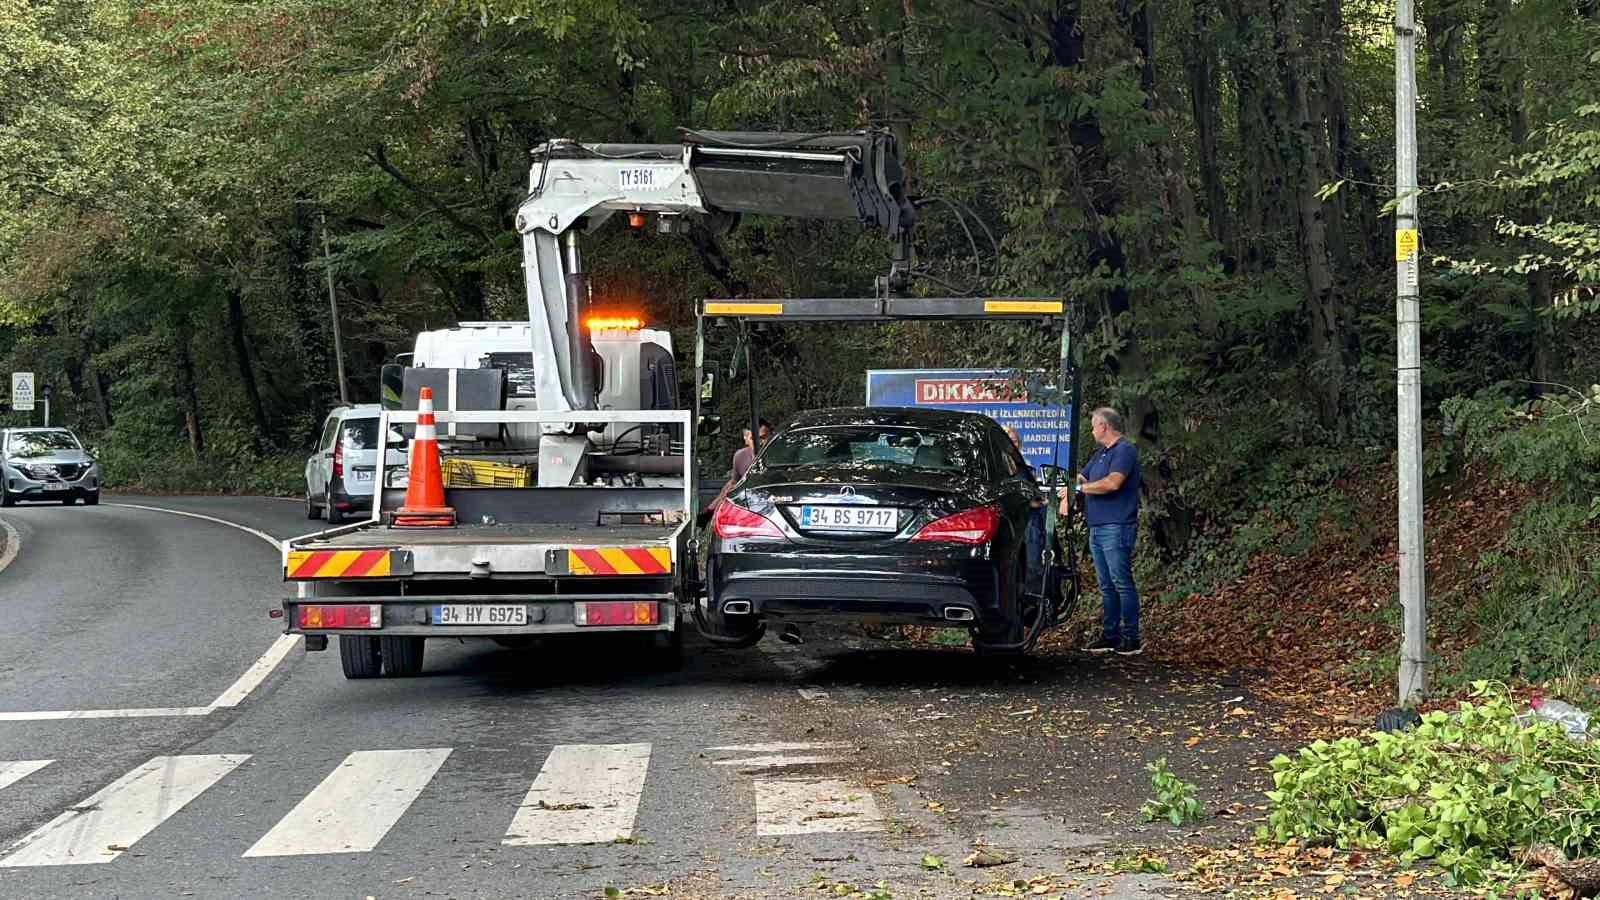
665 650
359 655
402 656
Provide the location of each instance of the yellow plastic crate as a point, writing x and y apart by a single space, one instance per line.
460 472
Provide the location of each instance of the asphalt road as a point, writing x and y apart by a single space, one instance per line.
151 745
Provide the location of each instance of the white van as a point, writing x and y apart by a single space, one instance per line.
341 471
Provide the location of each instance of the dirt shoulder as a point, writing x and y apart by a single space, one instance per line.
1043 762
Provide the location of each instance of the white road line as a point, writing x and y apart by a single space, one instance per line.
107 823
585 794
13 545
258 671
780 747
233 696
13 772
813 806
355 806
772 762
262 667
57 715
276 544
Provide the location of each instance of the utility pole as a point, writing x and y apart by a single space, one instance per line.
333 304
1407 252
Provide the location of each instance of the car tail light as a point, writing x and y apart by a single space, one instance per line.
734 521
338 457
622 612
364 615
970 526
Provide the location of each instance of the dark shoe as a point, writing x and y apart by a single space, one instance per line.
1130 647
1104 645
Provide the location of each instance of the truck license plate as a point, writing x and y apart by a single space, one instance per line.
463 614
850 518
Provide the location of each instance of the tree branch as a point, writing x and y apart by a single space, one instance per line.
379 157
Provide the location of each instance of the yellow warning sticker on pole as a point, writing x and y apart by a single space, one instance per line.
1405 244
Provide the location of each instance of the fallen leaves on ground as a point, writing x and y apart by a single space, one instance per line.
1306 623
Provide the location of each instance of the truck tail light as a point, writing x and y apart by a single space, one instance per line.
734 521
338 457
970 526
621 612
363 615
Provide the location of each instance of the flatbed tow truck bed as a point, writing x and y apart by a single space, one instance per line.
553 533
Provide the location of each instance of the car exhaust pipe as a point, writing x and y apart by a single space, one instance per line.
958 614
736 608
791 635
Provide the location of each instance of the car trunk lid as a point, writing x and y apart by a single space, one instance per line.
846 505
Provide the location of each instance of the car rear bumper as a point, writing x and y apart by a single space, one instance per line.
924 590
344 499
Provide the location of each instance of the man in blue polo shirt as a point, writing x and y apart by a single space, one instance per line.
1109 485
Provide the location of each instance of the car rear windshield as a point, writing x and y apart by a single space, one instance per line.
361 434
874 445
40 443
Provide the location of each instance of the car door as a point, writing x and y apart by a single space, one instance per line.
1015 485
321 461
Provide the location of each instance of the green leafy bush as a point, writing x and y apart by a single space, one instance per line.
1534 604
1174 798
231 464
1465 790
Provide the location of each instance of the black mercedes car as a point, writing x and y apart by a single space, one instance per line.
875 514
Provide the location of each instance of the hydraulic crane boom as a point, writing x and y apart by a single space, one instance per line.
714 176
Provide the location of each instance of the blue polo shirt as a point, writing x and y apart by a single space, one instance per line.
1121 506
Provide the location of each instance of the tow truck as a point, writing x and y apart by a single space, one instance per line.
582 521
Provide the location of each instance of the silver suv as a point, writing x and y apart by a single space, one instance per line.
46 464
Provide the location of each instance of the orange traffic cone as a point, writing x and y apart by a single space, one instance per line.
425 507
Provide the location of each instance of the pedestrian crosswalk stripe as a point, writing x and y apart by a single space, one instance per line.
13 772
813 806
114 818
584 794
355 806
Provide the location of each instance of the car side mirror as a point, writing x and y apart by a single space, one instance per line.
711 384
392 380
1047 472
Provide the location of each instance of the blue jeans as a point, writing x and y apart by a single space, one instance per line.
1112 549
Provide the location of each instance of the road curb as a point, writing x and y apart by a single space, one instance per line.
10 544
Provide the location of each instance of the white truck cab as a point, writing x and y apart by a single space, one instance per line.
635 365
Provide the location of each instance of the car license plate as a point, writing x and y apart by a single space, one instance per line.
363 474
464 614
850 518
54 486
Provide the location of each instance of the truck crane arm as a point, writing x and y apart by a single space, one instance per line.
712 175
